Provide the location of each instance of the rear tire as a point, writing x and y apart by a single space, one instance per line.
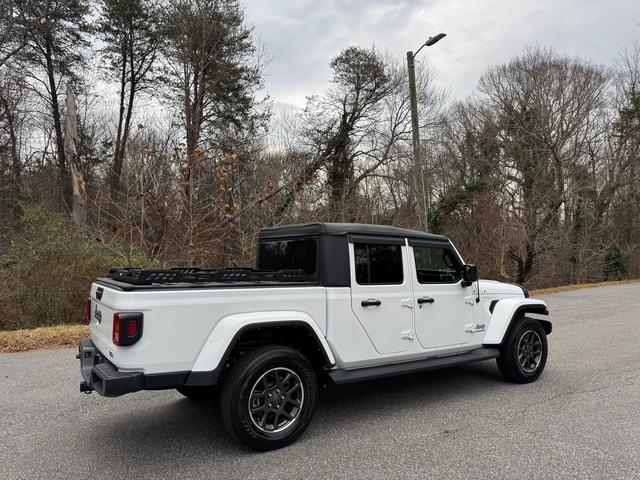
269 397
523 354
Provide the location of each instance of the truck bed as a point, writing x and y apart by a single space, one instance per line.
179 318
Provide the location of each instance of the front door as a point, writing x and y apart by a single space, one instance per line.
443 309
381 292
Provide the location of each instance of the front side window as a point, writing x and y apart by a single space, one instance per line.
299 254
378 264
436 265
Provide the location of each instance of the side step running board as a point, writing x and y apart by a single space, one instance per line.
341 376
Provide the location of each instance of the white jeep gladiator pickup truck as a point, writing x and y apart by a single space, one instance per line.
328 304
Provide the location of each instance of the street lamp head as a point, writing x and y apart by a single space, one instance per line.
435 39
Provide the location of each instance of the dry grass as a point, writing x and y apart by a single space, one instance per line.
568 288
60 336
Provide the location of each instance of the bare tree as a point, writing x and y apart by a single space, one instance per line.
359 125
55 41
130 32
545 106
542 163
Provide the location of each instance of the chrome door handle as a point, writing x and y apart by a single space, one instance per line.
371 302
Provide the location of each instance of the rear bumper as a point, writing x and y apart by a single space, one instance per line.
102 376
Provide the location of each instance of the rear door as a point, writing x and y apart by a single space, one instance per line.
381 291
444 310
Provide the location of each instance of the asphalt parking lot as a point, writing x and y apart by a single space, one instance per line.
580 420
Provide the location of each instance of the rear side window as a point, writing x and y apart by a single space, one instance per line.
436 265
297 254
378 264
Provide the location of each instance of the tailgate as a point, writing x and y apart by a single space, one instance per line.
101 317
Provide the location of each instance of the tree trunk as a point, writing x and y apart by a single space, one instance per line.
79 206
524 264
193 115
16 169
57 123
127 125
124 116
116 168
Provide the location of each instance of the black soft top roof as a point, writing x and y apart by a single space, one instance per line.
306 229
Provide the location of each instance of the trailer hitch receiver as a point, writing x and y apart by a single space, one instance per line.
84 388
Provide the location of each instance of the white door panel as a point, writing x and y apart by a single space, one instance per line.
443 311
444 321
384 311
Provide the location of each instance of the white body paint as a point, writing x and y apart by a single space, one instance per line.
190 329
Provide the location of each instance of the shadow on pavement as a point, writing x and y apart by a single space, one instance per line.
179 426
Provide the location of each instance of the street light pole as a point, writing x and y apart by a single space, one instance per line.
419 180
418 177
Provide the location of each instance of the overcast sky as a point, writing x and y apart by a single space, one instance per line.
302 36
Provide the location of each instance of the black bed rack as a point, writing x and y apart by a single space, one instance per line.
137 276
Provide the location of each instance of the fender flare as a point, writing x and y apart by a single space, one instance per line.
506 311
227 331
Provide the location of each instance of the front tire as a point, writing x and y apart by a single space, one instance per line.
269 397
523 354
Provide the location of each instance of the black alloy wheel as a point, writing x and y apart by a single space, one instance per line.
523 353
529 351
268 397
276 400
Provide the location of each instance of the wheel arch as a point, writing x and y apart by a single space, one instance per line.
237 334
507 311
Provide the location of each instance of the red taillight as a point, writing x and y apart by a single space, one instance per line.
132 328
115 331
127 328
87 310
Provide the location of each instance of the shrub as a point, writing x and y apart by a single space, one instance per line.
48 266
614 263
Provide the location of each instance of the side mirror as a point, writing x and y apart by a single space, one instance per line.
469 275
